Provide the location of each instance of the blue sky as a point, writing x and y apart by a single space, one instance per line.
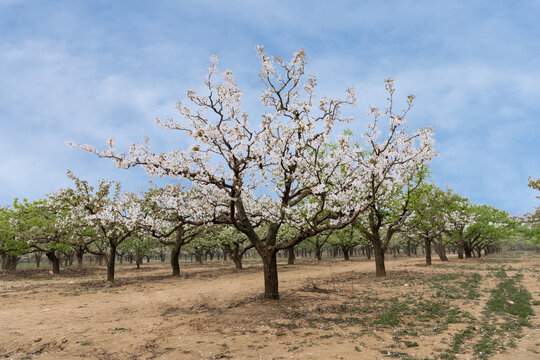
90 70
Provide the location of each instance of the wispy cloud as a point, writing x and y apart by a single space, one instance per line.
87 71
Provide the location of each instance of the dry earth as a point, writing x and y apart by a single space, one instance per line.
328 310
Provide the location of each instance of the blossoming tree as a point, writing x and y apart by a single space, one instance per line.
114 216
281 170
175 217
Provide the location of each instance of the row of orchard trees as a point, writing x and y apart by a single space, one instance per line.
282 181
106 223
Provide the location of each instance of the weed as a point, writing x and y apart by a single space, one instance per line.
511 299
459 338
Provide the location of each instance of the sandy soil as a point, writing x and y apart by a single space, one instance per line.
214 312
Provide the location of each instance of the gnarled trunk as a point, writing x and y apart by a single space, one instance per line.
51 255
9 262
238 262
236 256
441 250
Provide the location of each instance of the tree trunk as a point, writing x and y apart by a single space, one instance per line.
271 284
79 253
368 252
54 261
318 252
236 256
460 251
468 252
380 270
345 253
442 250
198 258
175 264
9 262
12 262
110 264
427 246
291 257
238 262
37 258
138 261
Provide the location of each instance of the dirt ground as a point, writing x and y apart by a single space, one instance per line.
328 310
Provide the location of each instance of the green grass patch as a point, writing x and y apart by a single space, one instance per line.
511 298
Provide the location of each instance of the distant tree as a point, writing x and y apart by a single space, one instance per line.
173 217
13 221
234 242
460 216
319 241
389 211
491 226
429 206
138 247
345 239
114 216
